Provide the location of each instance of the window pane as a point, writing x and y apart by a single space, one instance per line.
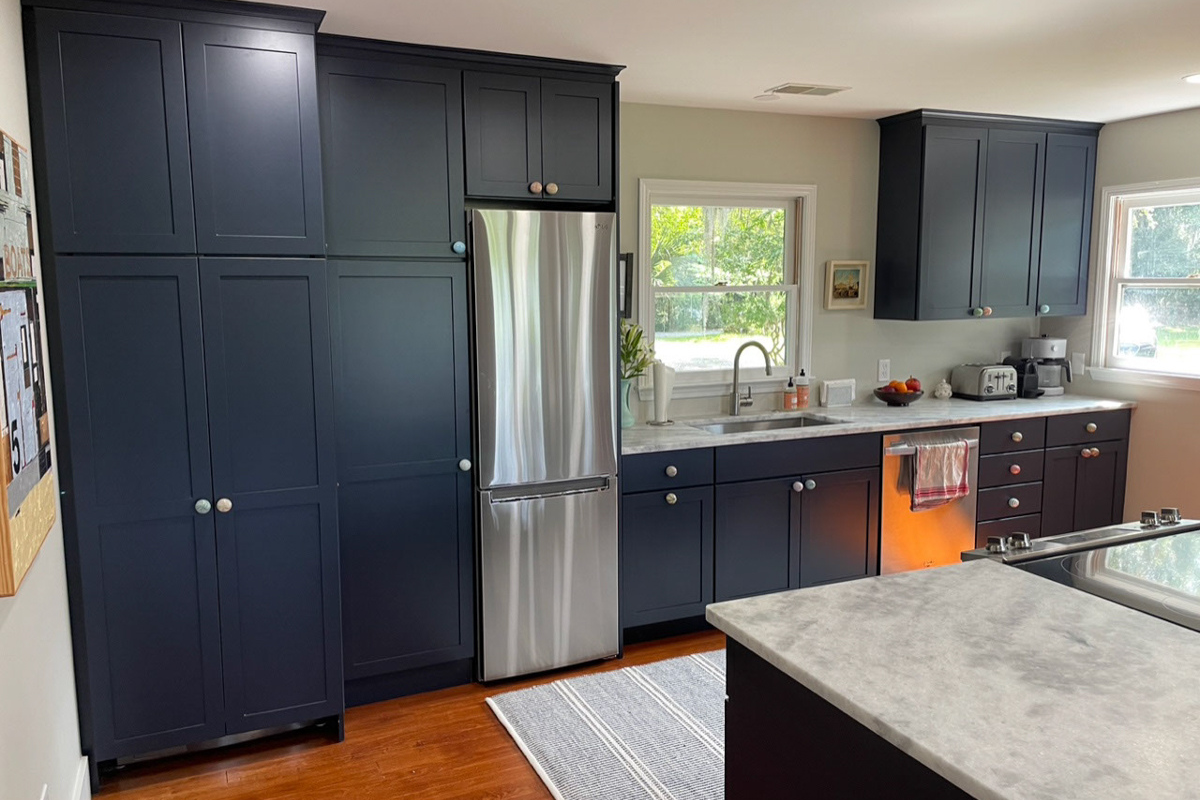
1164 241
1160 328
703 330
713 245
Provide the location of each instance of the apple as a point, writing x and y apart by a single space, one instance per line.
913 384
888 388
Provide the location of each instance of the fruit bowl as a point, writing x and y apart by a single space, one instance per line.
897 399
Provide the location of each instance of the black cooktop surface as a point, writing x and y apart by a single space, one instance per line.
1158 576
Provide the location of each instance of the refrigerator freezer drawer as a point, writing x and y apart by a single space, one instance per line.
548 584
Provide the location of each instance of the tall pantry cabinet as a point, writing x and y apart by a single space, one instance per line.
183 249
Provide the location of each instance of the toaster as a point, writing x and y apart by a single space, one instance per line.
984 382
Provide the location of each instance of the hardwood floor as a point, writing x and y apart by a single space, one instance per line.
445 745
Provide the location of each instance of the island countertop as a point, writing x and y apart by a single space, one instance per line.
1010 686
928 412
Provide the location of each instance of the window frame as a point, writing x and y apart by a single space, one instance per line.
800 207
1117 202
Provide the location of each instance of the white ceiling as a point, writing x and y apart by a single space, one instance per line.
1099 60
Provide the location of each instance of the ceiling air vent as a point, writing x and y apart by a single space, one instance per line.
808 89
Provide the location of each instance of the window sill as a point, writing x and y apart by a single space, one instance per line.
712 389
1139 377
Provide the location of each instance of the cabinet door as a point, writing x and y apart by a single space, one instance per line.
1066 224
1058 489
404 502
756 526
1100 486
1012 213
256 153
666 555
114 120
502 120
393 158
136 439
839 527
951 221
266 349
577 131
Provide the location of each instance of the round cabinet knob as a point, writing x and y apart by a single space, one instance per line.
797 487
535 187
977 312
1044 310
1095 452
671 499
1014 502
1015 469
1087 453
987 311
459 247
224 505
1018 436
1090 427
671 471
810 484
551 188
203 506
465 465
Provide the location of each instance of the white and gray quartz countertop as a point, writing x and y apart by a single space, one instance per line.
928 412
1009 685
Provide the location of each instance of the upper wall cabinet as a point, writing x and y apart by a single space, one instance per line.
983 216
114 121
393 157
530 137
179 132
256 157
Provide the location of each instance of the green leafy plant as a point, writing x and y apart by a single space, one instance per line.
636 354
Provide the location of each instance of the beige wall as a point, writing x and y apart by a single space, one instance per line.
1166 425
840 156
39 733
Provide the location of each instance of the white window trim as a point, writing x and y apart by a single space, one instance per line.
803 252
1110 249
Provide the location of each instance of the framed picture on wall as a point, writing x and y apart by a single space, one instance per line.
625 285
846 285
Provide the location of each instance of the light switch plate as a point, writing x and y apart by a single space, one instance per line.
1078 363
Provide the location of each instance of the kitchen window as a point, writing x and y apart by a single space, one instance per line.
1149 328
725 263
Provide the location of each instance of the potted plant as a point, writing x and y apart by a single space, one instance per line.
636 358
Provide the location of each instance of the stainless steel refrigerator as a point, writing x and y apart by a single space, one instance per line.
545 372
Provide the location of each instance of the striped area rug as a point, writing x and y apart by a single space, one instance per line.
654 732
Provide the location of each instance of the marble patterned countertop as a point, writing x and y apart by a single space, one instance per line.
1009 685
871 417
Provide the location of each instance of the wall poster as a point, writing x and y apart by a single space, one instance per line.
27 507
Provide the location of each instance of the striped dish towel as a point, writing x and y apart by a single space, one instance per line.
940 474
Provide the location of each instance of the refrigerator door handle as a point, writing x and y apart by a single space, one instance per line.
516 494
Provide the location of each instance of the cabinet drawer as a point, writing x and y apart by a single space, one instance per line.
748 462
997 503
673 469
1009 468
1010 435
1030 523
1084 428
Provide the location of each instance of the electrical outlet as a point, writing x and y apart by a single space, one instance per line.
885 369
1004 354
1078 364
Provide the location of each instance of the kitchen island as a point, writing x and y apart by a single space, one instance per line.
975 680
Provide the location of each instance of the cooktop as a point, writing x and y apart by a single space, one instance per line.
1159 576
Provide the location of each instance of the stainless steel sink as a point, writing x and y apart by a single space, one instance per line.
783 423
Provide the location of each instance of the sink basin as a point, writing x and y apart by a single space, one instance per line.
748 425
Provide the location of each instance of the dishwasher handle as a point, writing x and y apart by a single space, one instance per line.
911 449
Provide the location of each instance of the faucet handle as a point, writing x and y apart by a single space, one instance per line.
747 399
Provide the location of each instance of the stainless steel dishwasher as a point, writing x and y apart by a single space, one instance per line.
910 539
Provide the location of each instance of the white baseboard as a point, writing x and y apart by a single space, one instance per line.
83 782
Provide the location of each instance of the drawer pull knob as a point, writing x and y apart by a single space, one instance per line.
464 465
1014 502
203 506
671 498
1045 309
224 505
459 247
535 187
977 312
1087 452
797 487
671 471
1095 452
987 311
810 484
1018 436
1090 427
551 188
1015 469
